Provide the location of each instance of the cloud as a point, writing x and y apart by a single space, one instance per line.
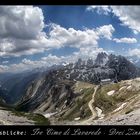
27 64
85 40
23 22
21 30
100 9
22 33
80 38
105 31
134 52
73 38
125 40
128 15
43 62
51 57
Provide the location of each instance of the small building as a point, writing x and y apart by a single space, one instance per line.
105 81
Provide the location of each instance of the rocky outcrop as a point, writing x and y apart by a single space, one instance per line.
101 59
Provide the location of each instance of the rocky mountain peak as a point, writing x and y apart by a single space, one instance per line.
101 59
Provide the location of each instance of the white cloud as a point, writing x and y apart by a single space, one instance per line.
50 60
128 15
21 30
73 38
24 22
134 52
27 64
125 40
22 33
85 40
80 38
106 31
85 53
100 9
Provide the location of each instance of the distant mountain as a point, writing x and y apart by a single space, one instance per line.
101 59
105 66
135 60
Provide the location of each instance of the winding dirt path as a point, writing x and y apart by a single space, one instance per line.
92 109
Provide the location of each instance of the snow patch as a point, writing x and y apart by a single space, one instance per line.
77 119
119 108
129 87
122 88
81 89
110 92
48 115
65 63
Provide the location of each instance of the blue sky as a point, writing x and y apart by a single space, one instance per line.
34 36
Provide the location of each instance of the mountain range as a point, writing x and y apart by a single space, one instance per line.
64 91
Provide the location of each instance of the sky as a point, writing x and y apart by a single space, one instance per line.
36 36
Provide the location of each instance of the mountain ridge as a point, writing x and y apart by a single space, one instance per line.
115 68
66 91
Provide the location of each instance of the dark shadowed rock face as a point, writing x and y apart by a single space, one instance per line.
124 69
14 86
49 90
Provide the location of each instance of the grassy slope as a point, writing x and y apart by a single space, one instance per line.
81 103
109 103
105 102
